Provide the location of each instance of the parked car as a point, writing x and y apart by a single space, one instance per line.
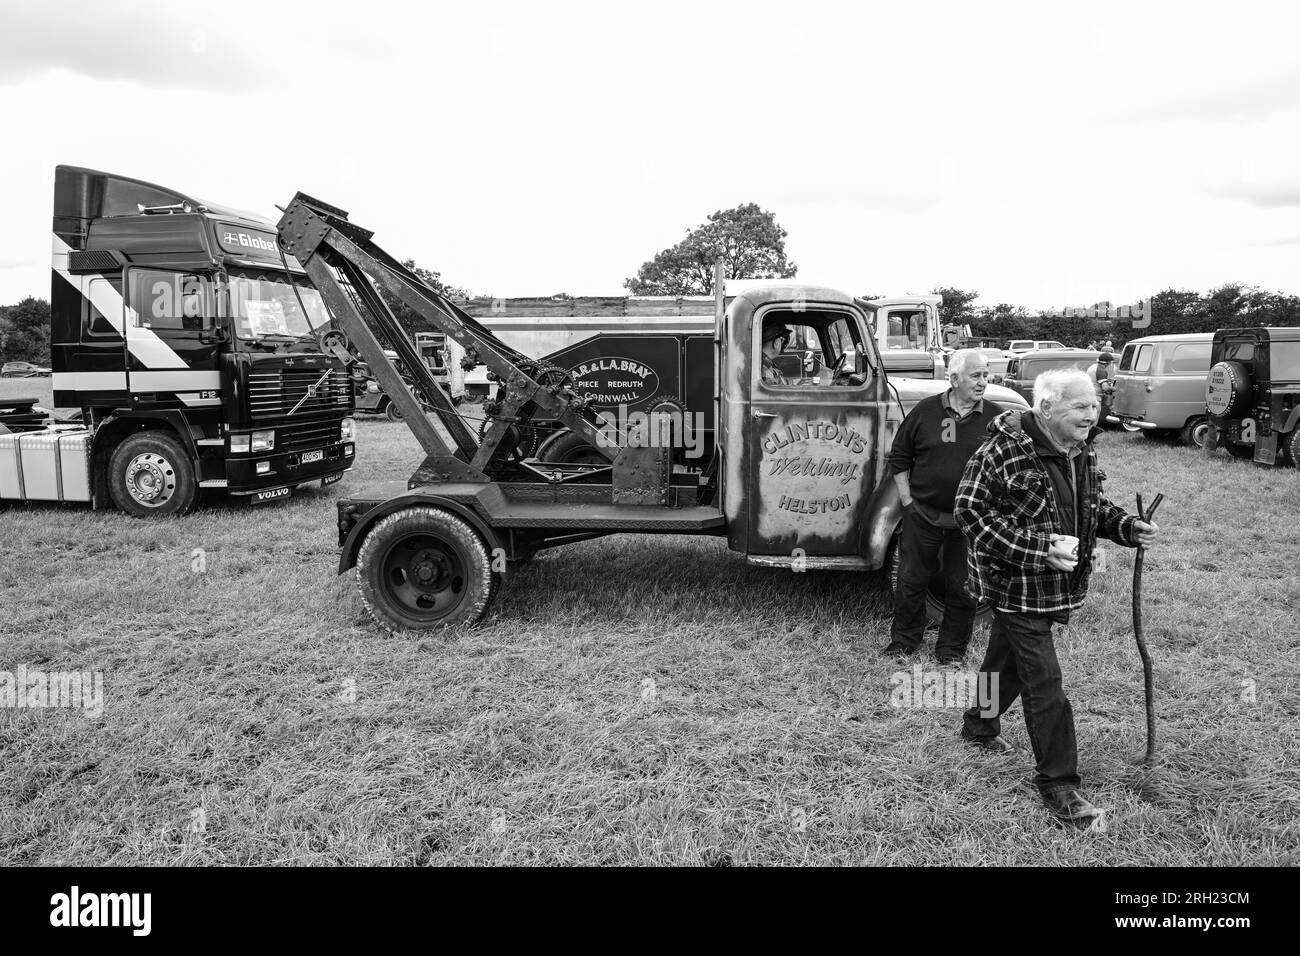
997 363
1020 346
1025 368
1160 386
1253 394
23 370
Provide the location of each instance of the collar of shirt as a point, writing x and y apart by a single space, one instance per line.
952 407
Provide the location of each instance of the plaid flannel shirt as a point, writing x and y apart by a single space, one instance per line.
1006 507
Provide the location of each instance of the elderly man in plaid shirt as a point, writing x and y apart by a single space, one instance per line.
1033 482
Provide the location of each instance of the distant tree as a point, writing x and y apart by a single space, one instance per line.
1071 330
409 319
25 331
1003 322
1224 306
957 308
747 239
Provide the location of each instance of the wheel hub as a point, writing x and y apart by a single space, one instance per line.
430 570
150 479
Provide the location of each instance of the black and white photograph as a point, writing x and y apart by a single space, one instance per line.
676 436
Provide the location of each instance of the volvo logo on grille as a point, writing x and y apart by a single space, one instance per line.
311 391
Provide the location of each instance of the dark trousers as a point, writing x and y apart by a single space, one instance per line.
1023 656
924 551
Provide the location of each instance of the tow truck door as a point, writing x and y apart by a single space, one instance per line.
172 345
811 443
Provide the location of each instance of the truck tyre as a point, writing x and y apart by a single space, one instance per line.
570 448
1194 432
934 594
422 568
1293 448
150 474
393 411
1227 390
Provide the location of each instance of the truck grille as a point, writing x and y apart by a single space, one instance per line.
272 393
295 437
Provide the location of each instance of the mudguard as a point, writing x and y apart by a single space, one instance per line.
883 515
352 544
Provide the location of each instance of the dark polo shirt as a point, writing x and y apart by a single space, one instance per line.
934 443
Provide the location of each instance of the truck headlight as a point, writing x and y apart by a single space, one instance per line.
239 444
263 441
347 430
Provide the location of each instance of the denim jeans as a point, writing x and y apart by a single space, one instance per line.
925 550
1022 654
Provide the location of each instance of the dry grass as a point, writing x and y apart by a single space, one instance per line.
769 740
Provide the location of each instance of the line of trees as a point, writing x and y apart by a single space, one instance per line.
25 331
1232 305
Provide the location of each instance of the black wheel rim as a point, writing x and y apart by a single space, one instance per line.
424 575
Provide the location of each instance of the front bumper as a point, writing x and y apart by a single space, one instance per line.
1130 422
287 468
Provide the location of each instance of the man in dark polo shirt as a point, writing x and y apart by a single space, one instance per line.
930 451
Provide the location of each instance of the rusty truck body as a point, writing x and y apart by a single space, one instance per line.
796 477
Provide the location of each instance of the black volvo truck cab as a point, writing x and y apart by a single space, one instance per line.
188 342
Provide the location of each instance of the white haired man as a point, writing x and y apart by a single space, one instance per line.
1032 484
929 453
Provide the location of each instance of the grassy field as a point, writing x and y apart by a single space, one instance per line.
630 701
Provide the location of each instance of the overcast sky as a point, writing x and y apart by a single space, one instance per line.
1041 154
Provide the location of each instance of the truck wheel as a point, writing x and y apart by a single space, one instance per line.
150 474
569 448
393 412
1194 432
934 594
422 568
1293 448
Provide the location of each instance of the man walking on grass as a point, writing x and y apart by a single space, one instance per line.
1031 503
929 453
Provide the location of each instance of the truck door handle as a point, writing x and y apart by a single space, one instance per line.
757 414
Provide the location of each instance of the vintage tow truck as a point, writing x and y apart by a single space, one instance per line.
796 477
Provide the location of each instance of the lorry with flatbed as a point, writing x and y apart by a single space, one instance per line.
794 479
185 357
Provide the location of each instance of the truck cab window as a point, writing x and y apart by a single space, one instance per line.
810 350
169 300
906 330
95 323
265 305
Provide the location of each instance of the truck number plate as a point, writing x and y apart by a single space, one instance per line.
270 495
309 456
